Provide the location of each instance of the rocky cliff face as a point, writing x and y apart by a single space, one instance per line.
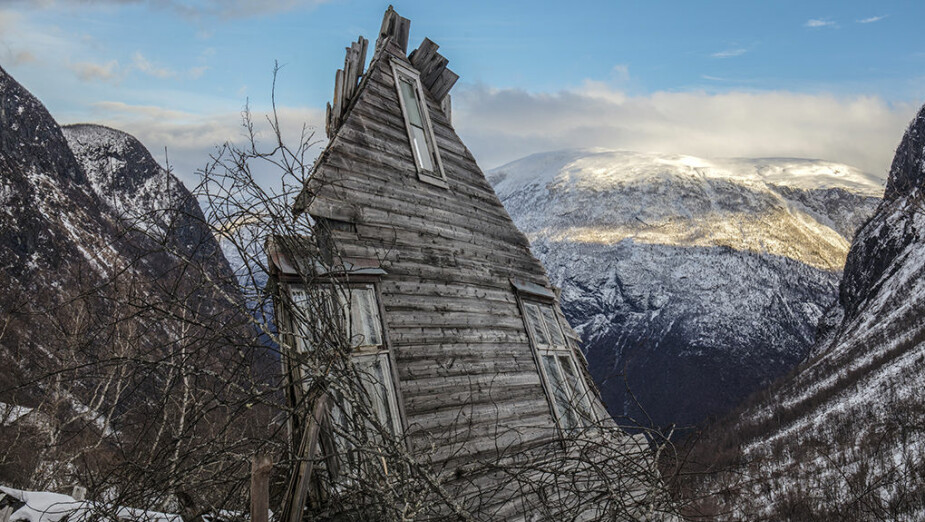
844 437
113 289
144 196
693 282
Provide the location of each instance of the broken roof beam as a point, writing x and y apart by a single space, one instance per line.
396 28
353 65
435 76
346 81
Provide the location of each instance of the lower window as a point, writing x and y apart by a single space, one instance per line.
327 319
570 399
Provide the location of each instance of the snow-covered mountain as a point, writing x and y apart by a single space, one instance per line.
145 196
106 268
844 437
693 282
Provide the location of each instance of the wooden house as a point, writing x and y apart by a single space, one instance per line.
451 323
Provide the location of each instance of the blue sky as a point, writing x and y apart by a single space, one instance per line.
834 80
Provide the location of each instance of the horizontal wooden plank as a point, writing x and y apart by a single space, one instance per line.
397 303
481 383
394 178
482 413
489 275
487 445
455 366
446 289
427 403
411 352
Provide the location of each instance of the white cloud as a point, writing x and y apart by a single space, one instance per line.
144 65
729 53
500 125
20 57
190 138
89 71
872 19
818 22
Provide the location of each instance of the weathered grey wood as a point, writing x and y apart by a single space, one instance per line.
297 496
433 69
473 350
427 403
260 488
508 441
482 413
404 28
454 367
470 387
351 72
440 87
394 28
446 105
393 202
421 56
338 107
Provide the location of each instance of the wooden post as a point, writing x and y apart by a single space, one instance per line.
260 488
299 482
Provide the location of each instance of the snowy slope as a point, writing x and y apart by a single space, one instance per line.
105 267
844 438
144 195
692 281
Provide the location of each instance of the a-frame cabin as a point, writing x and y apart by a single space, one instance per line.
469 371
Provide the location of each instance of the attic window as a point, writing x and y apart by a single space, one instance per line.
417 123
569 394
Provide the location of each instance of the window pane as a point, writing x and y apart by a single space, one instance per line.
333 322
421 150
377 382
552 326
577 386
300 319
365 327
342 418
560 395
533 319
409 96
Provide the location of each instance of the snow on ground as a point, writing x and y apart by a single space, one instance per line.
43 506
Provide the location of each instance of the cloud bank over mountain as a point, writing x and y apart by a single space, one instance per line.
502 124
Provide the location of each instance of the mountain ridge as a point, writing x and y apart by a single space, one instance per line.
691 283
841 438
112 285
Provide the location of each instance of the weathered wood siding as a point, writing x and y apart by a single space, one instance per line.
467 375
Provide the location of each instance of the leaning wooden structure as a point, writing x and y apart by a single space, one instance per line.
474 390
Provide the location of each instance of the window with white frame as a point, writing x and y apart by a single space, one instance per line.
570 396
332 316
417 122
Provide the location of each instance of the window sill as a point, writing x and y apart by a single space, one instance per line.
433 180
